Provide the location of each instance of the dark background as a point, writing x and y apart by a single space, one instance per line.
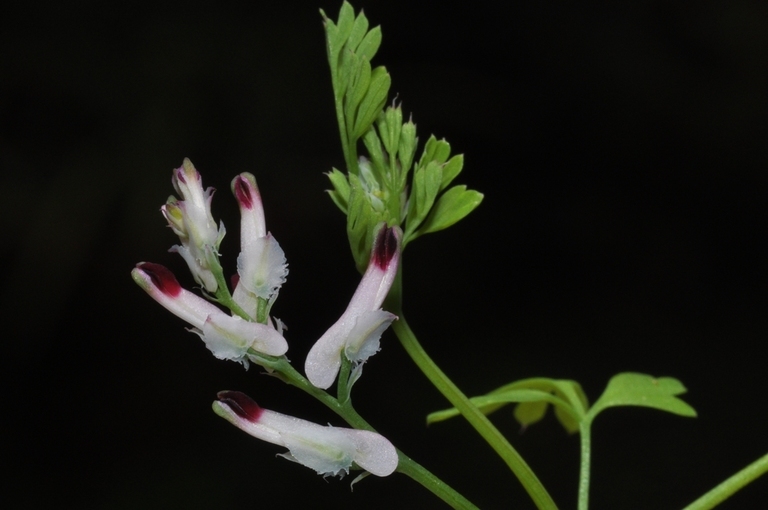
622 151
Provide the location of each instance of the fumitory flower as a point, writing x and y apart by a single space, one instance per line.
261 265
328 450
192 221
225 336
356 334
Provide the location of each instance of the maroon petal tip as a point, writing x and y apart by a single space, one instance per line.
161 277
241 404
242 192
385 247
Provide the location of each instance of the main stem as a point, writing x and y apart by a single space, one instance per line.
450 391
585 432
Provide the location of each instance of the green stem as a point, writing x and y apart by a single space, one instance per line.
417 472
478 420
586 448
730 486
406 465
450 391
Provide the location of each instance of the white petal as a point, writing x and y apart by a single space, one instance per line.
231 337
324 359
202 275
328 450
262 267
363 341
374 453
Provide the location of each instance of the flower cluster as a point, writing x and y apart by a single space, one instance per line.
250 334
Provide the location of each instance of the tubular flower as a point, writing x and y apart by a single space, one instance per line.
328 450
261 265
192 221
225 336
359 328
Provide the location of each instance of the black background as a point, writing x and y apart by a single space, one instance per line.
622 151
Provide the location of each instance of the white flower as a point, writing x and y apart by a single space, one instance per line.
359 328
261 265
225 336
328 450
192 221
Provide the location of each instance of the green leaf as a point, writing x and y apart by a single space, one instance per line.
633 389
358 82
370 44
360 222
340 192
426 186
494 401
373 102
451 169
373 144
338 33
533 396
389 125
359 29
528 413
435 150
407 148
451 207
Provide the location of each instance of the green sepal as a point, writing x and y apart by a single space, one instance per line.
532 396
633 389
451 207
340 192
373 102
425 187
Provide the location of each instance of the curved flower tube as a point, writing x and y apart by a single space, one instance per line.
192 221
225 336
359 328
328 450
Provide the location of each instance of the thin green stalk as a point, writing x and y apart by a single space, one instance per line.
406 465
730 486
478 420
586 448
450 391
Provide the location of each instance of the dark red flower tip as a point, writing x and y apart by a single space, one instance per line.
385 247
180 175
242 405
242 192
161 277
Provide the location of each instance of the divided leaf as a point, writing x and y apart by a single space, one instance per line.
633 389
532 396
451 207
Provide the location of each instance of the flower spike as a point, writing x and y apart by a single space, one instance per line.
225 336
328 450
192 221
359 328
